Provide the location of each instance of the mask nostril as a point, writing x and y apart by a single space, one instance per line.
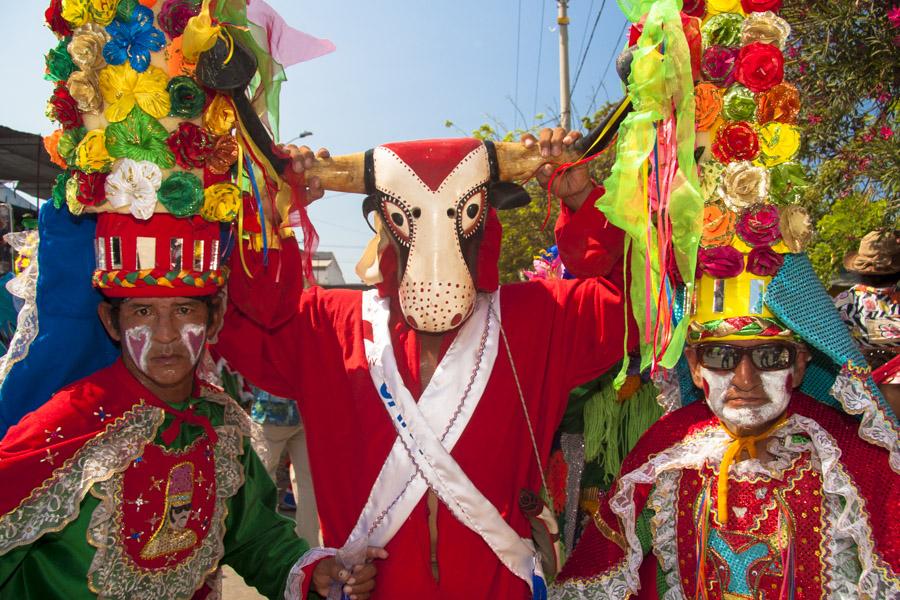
451 212
416 212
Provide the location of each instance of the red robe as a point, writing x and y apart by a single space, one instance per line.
561 333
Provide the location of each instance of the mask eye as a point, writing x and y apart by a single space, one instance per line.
398 219
470 212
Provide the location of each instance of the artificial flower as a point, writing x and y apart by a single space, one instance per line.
778 142
91 188
186 97
75 207
51 145
743 185
718 64
694 8
175 14
56 22
720 262
708 105
58 63
86 47
221 202
223 155
765 28
764 261
79 12
723 29
735 141
83 86
759 67
758 226
718 225
134 40
181 193
738 104
123 87
787 182
58 192
68 142
134 184
191 145
751 6
796 227
710 175
781 103
714 7
220 116
140 137
63 108
91 155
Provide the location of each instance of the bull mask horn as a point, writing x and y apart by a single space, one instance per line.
346 173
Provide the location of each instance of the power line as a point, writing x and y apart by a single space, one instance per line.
588 46
537 79
612 59
518 44
586 21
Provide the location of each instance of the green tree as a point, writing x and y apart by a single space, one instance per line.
523 234
844 59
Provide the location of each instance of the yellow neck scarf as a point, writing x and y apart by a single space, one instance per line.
738 444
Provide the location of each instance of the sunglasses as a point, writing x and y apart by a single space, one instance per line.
766 357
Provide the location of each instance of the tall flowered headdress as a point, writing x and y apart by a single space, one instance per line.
707 82
166 110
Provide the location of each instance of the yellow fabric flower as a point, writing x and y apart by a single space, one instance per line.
714 7
219 116
221 202
123 87
778 142
75 207
91 155
79 12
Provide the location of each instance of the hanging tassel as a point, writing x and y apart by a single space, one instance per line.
600 419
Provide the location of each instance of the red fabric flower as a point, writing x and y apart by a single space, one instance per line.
759 67
91 188
758 225
750 6
718 65
720 262
694 8
764 261
175 14
63 108
54 18
735 141
191 145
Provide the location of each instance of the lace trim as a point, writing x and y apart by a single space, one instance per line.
662 528
857 398
294 585
55 504
24 286
877 580
666 381
114 575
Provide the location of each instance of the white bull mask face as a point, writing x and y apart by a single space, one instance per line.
432 197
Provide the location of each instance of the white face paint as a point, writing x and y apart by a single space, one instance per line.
775 385
193 336
137 343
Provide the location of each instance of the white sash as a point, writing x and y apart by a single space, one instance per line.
428 431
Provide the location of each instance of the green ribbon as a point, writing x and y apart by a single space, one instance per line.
660 79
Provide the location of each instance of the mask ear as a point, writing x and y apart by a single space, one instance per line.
504 195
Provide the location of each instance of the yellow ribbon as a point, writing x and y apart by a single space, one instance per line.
737 445
199 35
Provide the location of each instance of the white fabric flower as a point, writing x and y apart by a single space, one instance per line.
743 185
134 183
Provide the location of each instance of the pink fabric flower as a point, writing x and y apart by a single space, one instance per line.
718 64
758 225
764 261
720 262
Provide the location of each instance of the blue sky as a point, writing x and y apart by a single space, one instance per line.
400 71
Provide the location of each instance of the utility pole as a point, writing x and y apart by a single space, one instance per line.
565 100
